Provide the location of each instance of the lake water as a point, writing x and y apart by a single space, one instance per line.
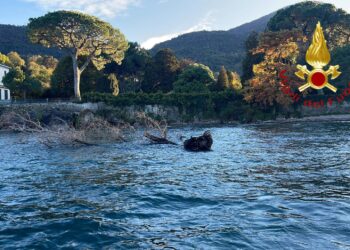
272 186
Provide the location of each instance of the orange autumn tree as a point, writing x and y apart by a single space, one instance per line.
281 51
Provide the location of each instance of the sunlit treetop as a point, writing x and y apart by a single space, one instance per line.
79 34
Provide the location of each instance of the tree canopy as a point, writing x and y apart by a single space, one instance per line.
79 35
195 78
161 72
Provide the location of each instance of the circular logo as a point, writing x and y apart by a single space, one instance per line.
318 79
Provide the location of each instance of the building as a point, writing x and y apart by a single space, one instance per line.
4 92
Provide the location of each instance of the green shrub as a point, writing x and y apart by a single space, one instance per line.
225 105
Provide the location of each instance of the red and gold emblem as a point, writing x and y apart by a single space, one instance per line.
318 57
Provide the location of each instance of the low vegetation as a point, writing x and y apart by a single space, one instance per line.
124 74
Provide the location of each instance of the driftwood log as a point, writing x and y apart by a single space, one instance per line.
158 127
201 143
158 140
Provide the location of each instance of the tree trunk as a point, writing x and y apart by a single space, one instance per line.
77 74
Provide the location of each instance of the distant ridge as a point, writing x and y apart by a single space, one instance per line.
14 38
215 48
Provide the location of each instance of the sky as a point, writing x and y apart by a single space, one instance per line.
149 22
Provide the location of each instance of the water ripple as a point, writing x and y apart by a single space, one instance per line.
269 186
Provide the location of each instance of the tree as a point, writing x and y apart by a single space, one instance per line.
32 87
41 69
305 15
79 35
195 78
284 45
14 81
281 51
132 69
234 80
15 59
341 57
4 60
62 79
92 79
251 58
222 82
161 72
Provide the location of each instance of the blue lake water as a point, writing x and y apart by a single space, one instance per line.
271 186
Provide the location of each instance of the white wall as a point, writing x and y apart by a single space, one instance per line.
3 71
3 96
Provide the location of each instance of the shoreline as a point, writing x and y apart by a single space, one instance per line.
73 113
318 118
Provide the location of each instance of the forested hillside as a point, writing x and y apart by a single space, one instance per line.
14 38
215 48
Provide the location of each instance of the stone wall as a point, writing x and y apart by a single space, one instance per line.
69 112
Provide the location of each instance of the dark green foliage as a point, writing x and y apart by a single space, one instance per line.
14 81
215 48
91 79
224 106
194 79
32 87
62 79
305 16
14 38
22 85
222 82
250 58
341 57
131 71
161 72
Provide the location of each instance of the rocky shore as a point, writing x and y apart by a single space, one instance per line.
74 113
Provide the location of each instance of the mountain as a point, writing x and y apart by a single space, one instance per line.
215 48
14 38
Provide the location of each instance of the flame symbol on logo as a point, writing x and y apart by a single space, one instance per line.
318 56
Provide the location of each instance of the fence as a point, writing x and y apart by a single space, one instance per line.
39 101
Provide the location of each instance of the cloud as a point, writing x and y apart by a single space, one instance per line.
204 24
102 8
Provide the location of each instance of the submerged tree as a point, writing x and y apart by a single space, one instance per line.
79 35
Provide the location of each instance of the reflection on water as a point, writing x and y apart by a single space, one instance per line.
263 187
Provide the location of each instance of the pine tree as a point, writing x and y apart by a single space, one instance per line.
222 82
